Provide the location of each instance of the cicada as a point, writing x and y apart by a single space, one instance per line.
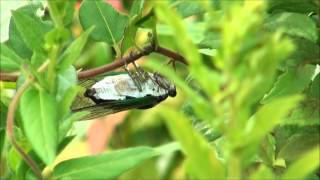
119 92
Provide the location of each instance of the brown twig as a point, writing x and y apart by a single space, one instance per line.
116 64
11 77
173 55
10 131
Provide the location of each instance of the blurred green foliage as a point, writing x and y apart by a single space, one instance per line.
247 104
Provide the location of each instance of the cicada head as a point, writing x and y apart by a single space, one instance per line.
166 84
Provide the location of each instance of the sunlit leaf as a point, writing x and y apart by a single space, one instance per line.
201 155
103 166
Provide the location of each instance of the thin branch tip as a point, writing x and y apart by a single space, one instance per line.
133 56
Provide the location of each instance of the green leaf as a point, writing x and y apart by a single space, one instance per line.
69 11
136 8
68 122
66 79
129 36
132 28
15 40
268 116
168 148
200 105
37 59
9 59
298 144
294 24
201 155
104 166
306 52
305 165
307 113
3 123
203 75
291 82
267 150
208 52
188 8
109 24
314 90
74 50
303 6
39 118
262 172
67 99
31 30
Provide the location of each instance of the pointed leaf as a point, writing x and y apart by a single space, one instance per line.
291 82
74 50
109 24
15 40
66 79
40 122
32 30
136 8
103 166
201 155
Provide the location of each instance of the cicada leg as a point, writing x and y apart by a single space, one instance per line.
133 76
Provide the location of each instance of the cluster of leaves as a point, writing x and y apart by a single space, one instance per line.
260 91
252 65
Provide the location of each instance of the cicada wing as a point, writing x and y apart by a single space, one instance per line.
110 107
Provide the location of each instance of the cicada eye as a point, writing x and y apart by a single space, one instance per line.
172 92
90 92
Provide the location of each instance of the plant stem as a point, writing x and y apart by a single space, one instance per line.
51 67
115 64
10 124
54 13
234 170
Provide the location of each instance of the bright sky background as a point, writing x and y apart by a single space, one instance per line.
5 13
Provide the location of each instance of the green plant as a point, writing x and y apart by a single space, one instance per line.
248 109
